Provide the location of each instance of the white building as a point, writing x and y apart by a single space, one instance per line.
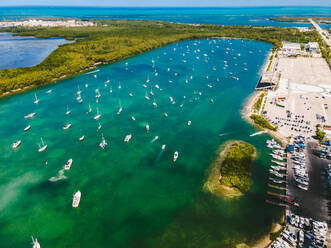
312 47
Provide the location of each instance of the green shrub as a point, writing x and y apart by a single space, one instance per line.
260 121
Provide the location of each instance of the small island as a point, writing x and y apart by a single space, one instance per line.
229 175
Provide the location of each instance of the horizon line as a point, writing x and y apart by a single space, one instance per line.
211 6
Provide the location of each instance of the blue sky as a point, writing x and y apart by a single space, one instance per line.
188 3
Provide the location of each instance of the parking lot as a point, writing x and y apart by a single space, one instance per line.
313 203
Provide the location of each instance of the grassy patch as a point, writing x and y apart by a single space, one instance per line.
236 167
261 122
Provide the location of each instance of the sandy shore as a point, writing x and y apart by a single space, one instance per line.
248 109
212 183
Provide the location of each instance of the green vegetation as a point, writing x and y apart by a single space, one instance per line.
263 123
275 235
236 167
114 40
258 103
270 62
305 19
320 135
325 51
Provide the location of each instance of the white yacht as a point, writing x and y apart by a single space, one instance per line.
163 146
16 144
27 128
31 115
43 147
175 156
35 243
133 118
68 164
76 199
127 138
36 100
97 117
147 128
65 127
189 123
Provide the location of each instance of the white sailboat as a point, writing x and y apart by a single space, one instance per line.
103 143
68 110
175 156
127 138
146 96
97 117
35 243
43 147
36 100
89 108
120 109
27 128
16 144
76 199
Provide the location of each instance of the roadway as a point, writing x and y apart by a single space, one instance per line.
321 32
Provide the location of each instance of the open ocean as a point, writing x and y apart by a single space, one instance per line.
133 195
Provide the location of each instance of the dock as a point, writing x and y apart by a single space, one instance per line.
276 187
276 203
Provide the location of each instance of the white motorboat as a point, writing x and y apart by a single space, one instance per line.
89 108
163 147
189 123
76 199
97 117
119 110
35 243
127 138
68 164
146 96
49 91
65 127
175 156
154 104
27 128
147 128
78 90
31 115
43 146
165 115
16 144
36 100
133 118
82 138
155 138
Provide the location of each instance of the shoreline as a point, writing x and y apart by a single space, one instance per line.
212 184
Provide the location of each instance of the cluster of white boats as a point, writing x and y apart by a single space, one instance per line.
302 232
148 96
300 172
279 165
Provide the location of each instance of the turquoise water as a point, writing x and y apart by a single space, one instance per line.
16 51
133 195
256 16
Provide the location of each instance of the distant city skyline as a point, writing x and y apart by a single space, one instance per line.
168 3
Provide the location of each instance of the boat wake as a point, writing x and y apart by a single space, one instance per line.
257 133
223 134
60 176
92 72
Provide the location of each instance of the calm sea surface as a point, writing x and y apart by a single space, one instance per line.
257 16
133 195
16 51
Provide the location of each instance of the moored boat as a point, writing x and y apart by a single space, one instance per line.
16 144
76 199
27 128
68 164
175 156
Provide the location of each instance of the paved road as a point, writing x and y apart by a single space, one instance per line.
321 32
314 202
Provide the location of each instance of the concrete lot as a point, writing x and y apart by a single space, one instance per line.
314 202
305 87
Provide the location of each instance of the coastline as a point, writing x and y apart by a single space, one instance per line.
212 184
